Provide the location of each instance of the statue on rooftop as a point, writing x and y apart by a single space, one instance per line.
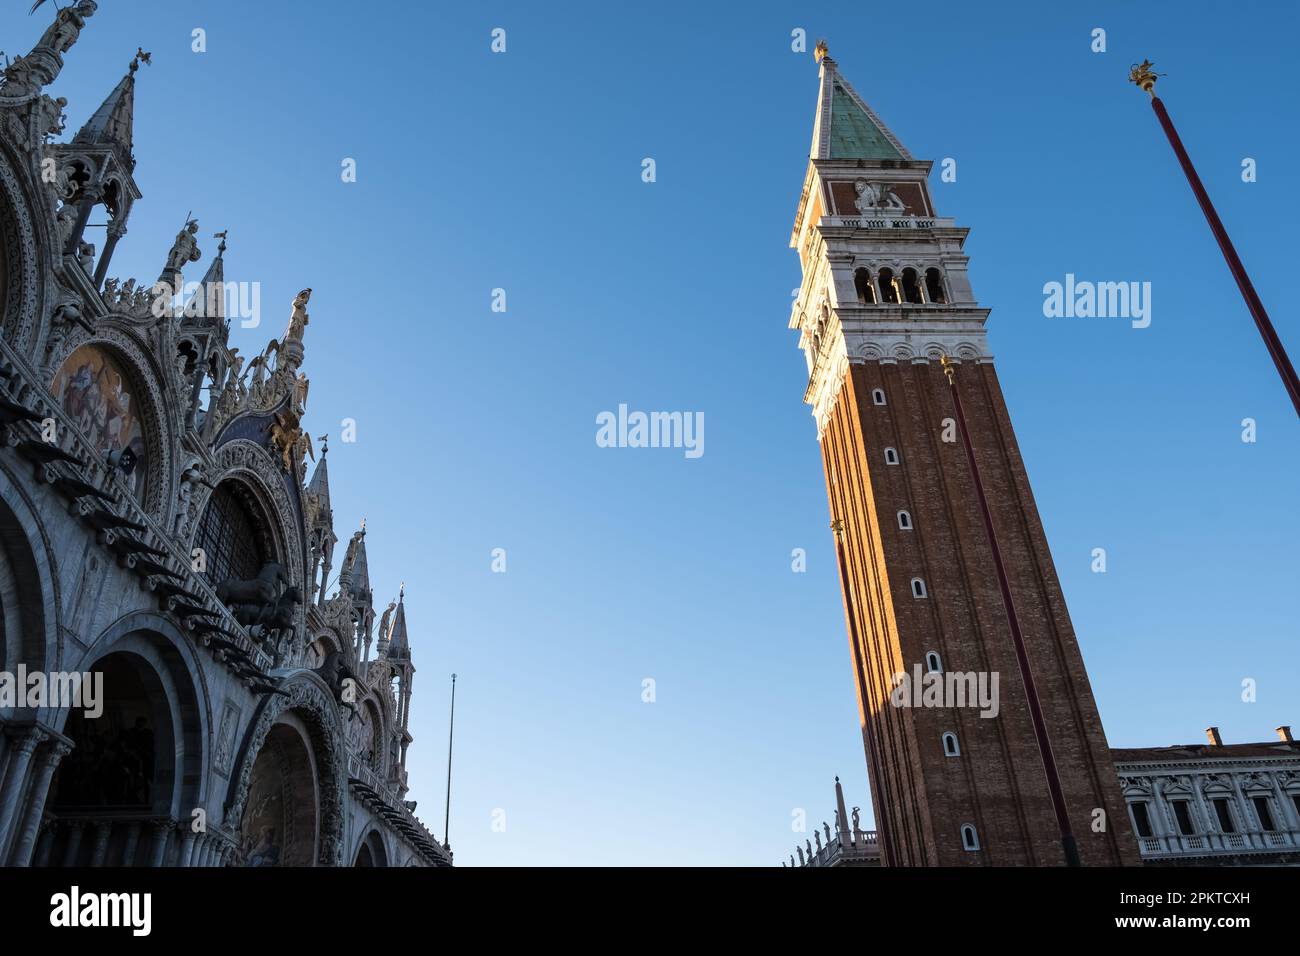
297 318
383 621
184 250
67 26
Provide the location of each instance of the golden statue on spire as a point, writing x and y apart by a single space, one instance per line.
821 51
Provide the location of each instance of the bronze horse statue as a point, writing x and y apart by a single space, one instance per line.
261 590
275 619
334 671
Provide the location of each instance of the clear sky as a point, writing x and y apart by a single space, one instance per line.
476 429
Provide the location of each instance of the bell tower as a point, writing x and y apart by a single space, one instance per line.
983 741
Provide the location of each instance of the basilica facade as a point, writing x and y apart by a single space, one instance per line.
187 676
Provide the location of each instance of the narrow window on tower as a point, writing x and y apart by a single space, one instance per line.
1225 816
1264 813
932 663
905 521
878 396
969 840
1184 818
862 283
1141 819
918 588
1295 800
950 748
891 456
934 285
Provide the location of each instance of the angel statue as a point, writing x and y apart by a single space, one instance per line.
300 386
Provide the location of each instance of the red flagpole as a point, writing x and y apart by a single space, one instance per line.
1146 79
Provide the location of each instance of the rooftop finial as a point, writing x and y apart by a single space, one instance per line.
822 51
221 246
1144 76
140 57
401 592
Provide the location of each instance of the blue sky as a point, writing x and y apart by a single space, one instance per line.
476 430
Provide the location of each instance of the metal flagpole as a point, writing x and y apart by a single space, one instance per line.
1022 658
1145 77
446 822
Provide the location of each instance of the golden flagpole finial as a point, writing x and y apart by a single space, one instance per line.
1145 77
837 526
821 51
948 368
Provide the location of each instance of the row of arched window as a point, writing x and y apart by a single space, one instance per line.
908 286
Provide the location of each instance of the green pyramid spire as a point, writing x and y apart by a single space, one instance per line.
854 133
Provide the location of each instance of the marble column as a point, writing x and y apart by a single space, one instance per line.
74 842
40 791
21 750
187 846
161 831
103 830
132 842
45 845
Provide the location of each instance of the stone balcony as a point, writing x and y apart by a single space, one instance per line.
861 848
887 222
1171 848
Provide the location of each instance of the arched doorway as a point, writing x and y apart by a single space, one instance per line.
371 852
134 770
280 825
23 601
292 779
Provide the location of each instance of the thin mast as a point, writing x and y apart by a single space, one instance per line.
1145 78
451 730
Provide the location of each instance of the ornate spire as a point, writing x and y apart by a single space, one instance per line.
319 487
209 300
399 647
113 123
846 127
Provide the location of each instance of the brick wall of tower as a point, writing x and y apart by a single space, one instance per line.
922 796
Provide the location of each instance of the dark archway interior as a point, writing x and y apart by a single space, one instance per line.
113 764
371 851
120 776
